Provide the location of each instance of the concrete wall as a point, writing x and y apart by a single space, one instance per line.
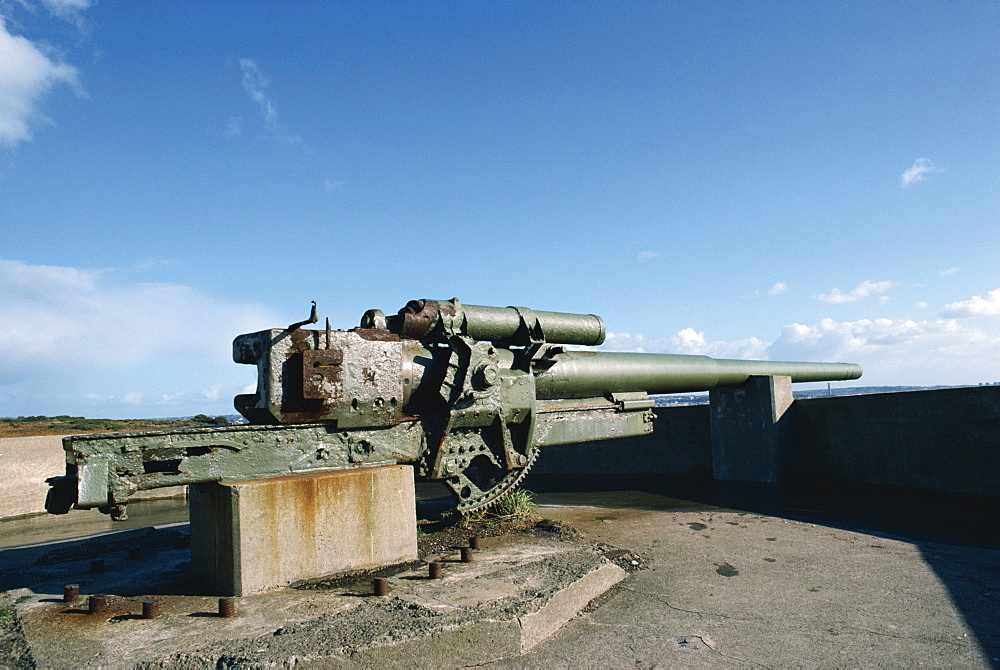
25 464
944 440
680 444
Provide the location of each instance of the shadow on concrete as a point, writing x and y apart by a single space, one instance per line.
958 535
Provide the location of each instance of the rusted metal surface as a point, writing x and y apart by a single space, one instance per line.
227 608
97 604
71 593
150 609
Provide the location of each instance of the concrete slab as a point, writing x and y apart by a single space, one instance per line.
727 588
517 591
723 588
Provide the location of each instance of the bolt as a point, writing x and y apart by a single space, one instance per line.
435 570
134 553
467 555
97 604
71 592
150 609
97 565
227 608
474 542
381 586
182 542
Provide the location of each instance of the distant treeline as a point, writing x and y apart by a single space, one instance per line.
63 424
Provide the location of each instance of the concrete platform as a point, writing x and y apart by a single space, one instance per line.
790 586
517 592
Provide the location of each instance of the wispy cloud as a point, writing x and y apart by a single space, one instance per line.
27 74
860 292
646 256
331 185
779 288
948 272
921 168
977 305
255 83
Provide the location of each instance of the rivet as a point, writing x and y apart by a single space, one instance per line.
435 570
227 608
467 555
134 553
97 604
97 565
150 609
71 592
474 542
381 586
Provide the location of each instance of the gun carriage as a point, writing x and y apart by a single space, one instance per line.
467 394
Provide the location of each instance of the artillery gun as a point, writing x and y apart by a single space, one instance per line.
467 394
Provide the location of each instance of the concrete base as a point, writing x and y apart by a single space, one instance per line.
751 432
518 592
256 535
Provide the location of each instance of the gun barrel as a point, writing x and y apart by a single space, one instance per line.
584 374
425 320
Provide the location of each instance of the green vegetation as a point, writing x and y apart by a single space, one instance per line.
63 424
515 506
6 614
210 420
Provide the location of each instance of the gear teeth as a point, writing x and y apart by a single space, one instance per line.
507 484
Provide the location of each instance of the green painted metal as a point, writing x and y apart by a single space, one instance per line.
466 393
581 374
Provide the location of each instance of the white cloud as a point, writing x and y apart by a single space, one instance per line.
212 392
918 171
72 337
860 292
984 305
779 288
26 76
891 351
646 255
686 341
948 272
255 83
897 351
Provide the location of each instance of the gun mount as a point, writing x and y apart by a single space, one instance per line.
468 394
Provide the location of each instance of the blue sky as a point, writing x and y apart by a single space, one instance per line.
782 180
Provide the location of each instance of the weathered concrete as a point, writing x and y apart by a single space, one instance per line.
732 589
751 430
723 588
518 591
941 440
260 534
25 464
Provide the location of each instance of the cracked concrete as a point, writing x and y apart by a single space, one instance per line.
794 593
797 594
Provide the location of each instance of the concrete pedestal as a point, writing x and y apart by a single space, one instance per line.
256 535
751 432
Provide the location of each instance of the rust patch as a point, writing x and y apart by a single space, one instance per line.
321 368
419 317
